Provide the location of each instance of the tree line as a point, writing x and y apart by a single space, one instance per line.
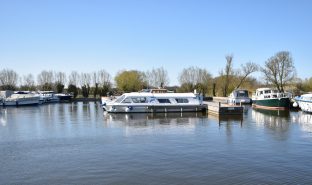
278 71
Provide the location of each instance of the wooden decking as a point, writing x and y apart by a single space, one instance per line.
223 108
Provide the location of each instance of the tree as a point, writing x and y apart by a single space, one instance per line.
104 80
60 81
8 79
73 78
45 80
226 74
73 89
246 70
95 83
279 70
195 78
85 81
130 81
28 83
157 77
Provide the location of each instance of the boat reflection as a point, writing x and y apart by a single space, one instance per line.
276 120
3 117
145 119
157 123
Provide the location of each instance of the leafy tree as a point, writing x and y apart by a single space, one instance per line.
73 89
130 81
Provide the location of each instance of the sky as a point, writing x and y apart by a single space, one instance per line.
90 35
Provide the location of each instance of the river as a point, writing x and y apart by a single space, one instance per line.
76 143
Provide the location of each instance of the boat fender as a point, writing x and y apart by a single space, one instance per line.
295 104
128 109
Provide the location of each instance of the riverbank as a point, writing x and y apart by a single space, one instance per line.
85 99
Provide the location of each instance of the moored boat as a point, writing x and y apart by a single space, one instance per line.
48 97
268 98
64 96
22 98
239 96
153 102
304 102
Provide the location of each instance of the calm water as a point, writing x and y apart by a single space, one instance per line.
77 144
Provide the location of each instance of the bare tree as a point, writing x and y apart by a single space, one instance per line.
157 77
226 74
45 80
188 76
195 78
104 80
60 77
60 81
246 70
28 82
85 81
8 79
95 80
73 81
74 78
279 70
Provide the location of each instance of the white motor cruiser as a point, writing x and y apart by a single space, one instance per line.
239 97
304 102
22 98
153 102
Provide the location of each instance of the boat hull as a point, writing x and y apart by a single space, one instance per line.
153 108
240 100
21 103
274 104
305 106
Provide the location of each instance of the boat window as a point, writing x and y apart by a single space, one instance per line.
127 100
274 96
261 92
139 100
267 92
182 100
163 100
242 94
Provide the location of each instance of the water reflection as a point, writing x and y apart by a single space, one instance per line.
160 123
304 120
145 119
277 121
3 117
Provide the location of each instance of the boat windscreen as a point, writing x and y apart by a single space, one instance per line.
118 100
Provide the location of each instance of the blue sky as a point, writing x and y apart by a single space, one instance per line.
64 35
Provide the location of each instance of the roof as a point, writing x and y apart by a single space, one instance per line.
265 88
161 95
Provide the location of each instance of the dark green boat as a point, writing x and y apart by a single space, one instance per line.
267 98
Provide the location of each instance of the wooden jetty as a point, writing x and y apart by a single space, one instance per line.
223 108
